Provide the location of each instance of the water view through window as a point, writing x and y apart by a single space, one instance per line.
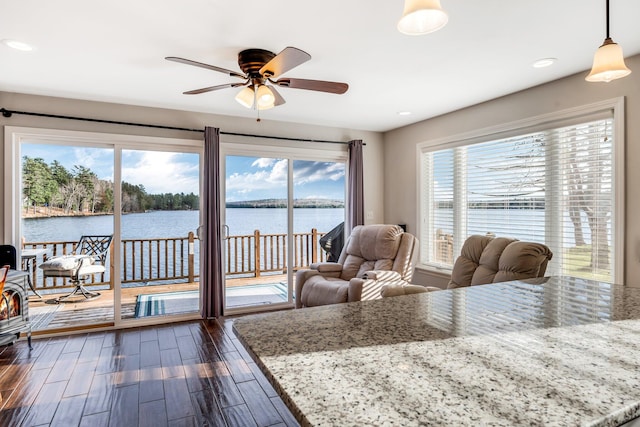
68 191
260 244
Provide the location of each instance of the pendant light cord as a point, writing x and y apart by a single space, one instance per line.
607 18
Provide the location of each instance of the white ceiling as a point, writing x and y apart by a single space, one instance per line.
114 51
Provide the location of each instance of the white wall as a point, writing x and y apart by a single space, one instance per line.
573 91
373 158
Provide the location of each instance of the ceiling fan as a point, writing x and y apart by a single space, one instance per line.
260 67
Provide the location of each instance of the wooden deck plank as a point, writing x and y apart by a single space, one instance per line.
99 311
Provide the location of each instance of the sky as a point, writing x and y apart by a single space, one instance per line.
247 178
254 178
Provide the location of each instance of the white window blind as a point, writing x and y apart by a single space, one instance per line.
553 186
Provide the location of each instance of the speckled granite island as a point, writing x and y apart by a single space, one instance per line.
557 351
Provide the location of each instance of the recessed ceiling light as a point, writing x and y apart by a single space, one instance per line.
15 44
544 62
404 113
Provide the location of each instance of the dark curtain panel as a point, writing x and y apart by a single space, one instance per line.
355 203
211 268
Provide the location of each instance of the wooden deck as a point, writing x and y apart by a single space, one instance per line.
99 312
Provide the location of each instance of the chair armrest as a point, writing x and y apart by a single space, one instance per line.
301 277
371 284
327 267
394 290
386 275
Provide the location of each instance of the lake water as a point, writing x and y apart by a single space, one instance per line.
242 221
178 223
159 224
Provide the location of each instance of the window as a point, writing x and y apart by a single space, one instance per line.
554 184
143 190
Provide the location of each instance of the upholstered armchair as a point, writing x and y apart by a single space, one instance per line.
373 256
487 259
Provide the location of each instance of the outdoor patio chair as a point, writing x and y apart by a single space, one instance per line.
89 258
373 256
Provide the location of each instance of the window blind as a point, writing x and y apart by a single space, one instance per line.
554 186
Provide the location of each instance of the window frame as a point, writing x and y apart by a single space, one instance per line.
516 128
14 136
229 147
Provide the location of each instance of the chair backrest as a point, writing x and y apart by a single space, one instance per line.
8 256
97 246
487 259
378 247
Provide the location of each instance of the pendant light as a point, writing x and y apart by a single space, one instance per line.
260 97
422 17
246 97
608 62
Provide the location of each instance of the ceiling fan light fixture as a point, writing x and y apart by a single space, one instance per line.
265 98
246 97
422 17
260 67
608 61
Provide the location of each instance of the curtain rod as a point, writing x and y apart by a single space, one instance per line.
9 113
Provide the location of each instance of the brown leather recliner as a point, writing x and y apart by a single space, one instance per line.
373 256
486 259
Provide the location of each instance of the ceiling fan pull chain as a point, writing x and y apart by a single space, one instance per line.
255 100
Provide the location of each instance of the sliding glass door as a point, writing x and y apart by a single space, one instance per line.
137 195
160 216
277 208
67 193
256 238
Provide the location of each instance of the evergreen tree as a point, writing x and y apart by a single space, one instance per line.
81 190
38 184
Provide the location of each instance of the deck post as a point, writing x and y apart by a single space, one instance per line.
314 245
111 270
256 251
191 255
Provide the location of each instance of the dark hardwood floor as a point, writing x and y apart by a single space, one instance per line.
180 374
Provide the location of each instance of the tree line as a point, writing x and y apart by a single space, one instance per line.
79 190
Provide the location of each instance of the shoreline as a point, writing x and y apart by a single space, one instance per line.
56 213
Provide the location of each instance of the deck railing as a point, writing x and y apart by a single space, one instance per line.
175 259
254 254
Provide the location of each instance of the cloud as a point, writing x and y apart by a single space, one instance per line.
162 172
261 180
267 178
306 172
263 162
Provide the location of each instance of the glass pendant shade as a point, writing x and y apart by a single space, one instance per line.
608 63
422 17
246 97
265 98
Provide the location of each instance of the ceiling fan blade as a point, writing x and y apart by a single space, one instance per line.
289 58
207 66
279 100
317 85
212 88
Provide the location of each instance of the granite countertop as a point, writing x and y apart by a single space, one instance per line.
554 351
